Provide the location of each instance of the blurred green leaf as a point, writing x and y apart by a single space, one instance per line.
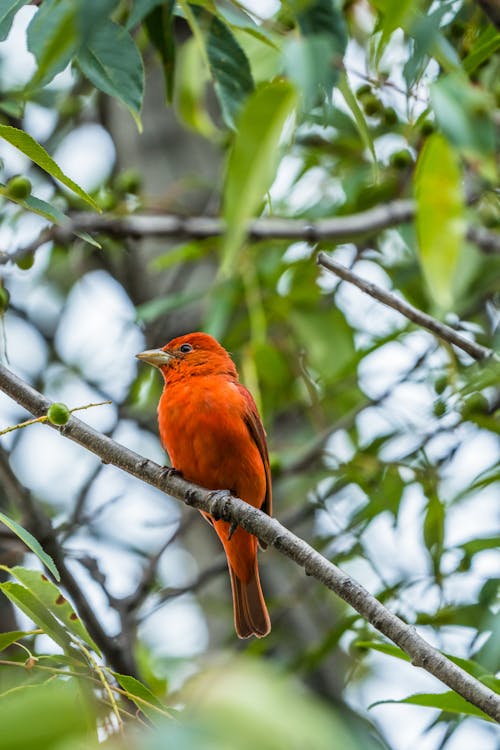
482 48
396 14
32 544
7 639
143 698
51 596
46 716
140 9
253 159
440 216
434 524
313 60
160 28
229 67
464 114
449 701
8 9
112 62
25 143
36 611
189 94
360 120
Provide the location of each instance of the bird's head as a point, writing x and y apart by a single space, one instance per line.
192 354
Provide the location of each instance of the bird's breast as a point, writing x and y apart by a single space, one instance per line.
202 426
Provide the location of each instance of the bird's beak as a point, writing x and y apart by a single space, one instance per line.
155 357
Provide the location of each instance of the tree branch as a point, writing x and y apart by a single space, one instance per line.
339 228
222 505
476 351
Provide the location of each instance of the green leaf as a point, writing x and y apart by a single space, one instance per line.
142 696
478 545
313 60
160 28
253 160
482 49
360 121
48 211
464 113
32 543
450 702
50 595
468 665
158 306
141 9
396 14
230 69
112 62
46 716
434 523
440 217
7 639
8 9
58 30
189 98
25 143
36 611
53 38
185 253
385 648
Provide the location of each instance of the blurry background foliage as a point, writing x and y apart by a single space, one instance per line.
384 441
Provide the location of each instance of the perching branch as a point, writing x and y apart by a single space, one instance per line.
442 330
339 229
222 505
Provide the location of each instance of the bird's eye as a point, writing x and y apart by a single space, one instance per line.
185 348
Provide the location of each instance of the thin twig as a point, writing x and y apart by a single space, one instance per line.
223 506
445 332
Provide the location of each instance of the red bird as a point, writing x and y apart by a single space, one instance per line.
211 429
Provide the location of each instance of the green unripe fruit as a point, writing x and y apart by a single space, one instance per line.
440 384
106 200
427 127
4 299
128 181
439 408
363 90
26 262
371 105
401 159
390 116
58 414
19 187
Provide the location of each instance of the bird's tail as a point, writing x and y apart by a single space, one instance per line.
250 612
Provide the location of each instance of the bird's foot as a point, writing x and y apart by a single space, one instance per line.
232 529
168 471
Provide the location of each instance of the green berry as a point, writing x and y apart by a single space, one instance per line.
371 105
439 408
26 262
18 187
58 414
363 90
440 384
390 116
427 127
128 181
401 159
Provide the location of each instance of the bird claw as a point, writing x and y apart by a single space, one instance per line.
232 529
168 471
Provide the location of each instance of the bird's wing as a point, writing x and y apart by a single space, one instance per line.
258 435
